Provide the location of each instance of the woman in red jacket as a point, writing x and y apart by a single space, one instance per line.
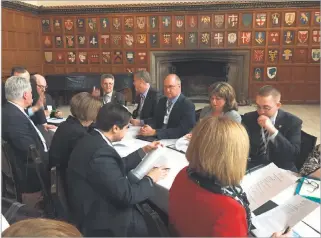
205 198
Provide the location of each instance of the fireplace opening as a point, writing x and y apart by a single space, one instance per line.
198 75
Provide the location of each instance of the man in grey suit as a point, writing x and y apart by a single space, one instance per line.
107 93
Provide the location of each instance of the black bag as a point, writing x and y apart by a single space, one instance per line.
156 226
15 211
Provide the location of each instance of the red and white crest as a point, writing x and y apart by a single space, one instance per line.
69 24
303 36
316 36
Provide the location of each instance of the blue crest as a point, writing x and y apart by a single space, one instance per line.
247 19
260 37
304 18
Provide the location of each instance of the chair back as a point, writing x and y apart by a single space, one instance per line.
44 178
58 194
11 173
197 114
307 145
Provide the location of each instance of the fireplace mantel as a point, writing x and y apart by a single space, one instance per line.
237 60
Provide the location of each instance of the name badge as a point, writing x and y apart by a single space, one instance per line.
166 117
49 107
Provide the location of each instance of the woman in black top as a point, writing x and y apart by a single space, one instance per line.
84 109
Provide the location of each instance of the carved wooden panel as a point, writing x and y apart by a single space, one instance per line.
21 41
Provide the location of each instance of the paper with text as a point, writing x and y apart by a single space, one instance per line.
263 184
287 214
155 158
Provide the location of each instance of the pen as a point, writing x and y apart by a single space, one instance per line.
286 230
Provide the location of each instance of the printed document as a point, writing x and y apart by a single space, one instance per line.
263 184
155 158
287 214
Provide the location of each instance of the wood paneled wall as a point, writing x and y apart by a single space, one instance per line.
123 42
21 46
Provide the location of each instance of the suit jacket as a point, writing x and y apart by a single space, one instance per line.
115 98
149 107
181 119
18 131
49 101
286 147
64 141
101 196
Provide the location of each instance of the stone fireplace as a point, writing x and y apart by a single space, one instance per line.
199 69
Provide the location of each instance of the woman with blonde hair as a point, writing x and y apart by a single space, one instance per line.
40 227
206 198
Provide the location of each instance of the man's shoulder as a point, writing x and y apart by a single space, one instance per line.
184 100
289 117
250 115
11 110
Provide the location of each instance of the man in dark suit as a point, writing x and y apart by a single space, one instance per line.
103 200
175 114
20 132
148 98
49 104
15 71
107 82
275 135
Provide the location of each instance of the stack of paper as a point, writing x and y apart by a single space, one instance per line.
288 214
263 184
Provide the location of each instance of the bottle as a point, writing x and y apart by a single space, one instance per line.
52 113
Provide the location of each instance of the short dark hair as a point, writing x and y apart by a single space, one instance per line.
107 76
269 90
144 75
17 69
112 114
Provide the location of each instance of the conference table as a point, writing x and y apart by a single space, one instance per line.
176 161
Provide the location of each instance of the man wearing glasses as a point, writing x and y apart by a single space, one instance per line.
49 104
174 115
275 135
107 82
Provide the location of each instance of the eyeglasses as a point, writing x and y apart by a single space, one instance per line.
264 108
42 87
313 184
170 87
108 84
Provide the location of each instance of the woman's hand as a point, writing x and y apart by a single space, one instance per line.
152 146
280 234
188 136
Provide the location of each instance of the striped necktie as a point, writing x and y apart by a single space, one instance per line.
263 142
141 104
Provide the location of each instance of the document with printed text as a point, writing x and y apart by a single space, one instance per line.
263 184
288 214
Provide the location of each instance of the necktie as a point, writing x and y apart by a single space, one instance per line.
263 142
141 104
106 99
168 107
40 136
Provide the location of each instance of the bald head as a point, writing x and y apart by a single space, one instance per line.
41 83
172 86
